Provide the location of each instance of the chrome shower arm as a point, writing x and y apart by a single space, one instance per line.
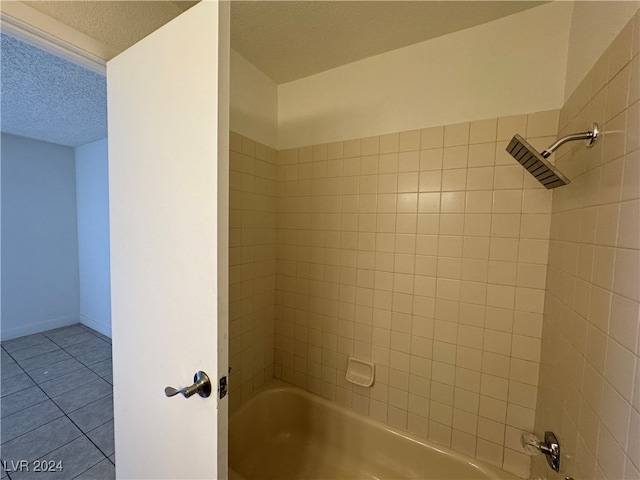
590 136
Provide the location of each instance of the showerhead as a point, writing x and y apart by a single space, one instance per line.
537 164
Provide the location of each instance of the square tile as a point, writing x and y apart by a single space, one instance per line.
94 356
15 384
105 470
68 382
93 415
41 441
102 337
34 351
75 458
44 360
11 370
27 341
44 374
64 332
34 426
20 400
102 437
67 341
29 419
77 398
5 358
103 368
86 347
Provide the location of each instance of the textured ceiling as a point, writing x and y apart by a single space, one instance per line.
118 24
288 40
50 99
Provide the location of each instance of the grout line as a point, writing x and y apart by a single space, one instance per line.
85 471
64 414
26 408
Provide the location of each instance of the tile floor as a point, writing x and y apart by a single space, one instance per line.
57 405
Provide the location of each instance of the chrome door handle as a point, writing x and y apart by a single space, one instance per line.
201 386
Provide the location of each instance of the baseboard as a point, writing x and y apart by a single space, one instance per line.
96 325
42 326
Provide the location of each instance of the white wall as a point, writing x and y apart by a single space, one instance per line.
92 193
39 241
510 66
254 102
593 27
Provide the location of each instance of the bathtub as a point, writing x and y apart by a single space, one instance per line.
284 432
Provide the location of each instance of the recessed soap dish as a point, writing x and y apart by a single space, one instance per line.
360 372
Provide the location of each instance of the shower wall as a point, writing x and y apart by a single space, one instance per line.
252 266
590 372
424 251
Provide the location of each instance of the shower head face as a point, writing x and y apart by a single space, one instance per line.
535 163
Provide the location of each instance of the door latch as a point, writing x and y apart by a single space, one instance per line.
222 387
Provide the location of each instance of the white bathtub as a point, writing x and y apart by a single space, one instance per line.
286 433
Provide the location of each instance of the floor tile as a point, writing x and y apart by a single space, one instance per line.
102 437
25 342
67 331
76 456
74 339
34 426
43 374
44 360
78 398
15 384
86 347
105 470
5 358
93 415
94 356
25 353
11 370
68 382
105 367
20 400
29 419
102 337
41 441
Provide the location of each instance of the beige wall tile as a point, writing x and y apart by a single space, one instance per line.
591 306
483 131
542 124
621 49
428 252
457 134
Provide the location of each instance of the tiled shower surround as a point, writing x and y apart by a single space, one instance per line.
252 266
590 339
424 251
427 252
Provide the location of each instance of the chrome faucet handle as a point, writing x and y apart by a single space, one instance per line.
201 386
550 447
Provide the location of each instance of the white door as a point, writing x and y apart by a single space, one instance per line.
168 186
